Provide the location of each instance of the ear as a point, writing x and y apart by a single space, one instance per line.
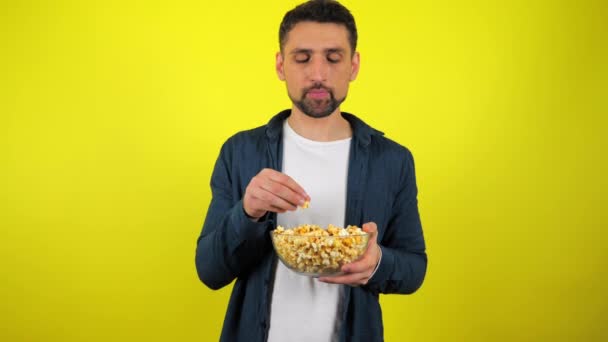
355 62
279 66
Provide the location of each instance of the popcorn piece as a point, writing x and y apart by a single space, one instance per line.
306 204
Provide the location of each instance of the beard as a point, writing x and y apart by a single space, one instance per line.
317 108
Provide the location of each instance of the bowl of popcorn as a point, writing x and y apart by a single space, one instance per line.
313 251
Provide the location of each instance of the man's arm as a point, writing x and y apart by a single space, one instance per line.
397 264
404 260
230 242
235 233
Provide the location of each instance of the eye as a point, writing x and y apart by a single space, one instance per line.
301 57
334 57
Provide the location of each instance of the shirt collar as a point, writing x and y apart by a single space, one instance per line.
362 132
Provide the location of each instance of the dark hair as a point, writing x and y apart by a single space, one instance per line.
320 11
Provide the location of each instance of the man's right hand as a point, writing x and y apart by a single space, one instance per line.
273 191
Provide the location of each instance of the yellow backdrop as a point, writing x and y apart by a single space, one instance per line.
112 115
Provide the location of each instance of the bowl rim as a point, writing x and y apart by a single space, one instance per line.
273 233
317 274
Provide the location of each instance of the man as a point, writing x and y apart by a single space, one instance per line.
349 172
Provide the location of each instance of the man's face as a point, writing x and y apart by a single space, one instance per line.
317 65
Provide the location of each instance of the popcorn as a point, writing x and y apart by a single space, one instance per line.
312 250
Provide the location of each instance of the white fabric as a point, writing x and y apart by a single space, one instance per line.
303 308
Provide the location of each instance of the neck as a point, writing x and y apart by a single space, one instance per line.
330 128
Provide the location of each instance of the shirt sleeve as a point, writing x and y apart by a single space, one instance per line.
230 243
403 265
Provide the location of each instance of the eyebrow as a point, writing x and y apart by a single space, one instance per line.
310 51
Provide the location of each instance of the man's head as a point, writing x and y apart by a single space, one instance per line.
319 11
318 59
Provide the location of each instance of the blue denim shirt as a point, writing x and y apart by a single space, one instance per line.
381 187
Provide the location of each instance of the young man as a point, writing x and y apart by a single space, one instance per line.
349 172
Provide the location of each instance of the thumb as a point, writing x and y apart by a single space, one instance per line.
371 228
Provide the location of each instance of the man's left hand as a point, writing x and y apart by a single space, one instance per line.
359 272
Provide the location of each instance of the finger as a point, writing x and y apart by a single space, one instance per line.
371 228
276 209
349 279
363 265
288 182
271 200
264 206
368 261
283 192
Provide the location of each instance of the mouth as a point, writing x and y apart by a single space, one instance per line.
318 94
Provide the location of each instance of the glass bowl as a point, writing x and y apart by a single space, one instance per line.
315 255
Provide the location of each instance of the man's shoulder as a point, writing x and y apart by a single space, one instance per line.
248 136
383 146
380 145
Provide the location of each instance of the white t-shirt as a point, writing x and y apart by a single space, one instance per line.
303 308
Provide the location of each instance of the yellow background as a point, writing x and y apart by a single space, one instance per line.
112 114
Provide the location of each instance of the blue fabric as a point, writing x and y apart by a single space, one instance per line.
381 188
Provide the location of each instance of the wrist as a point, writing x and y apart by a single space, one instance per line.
377 262
251 217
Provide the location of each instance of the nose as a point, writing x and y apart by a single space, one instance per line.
318 70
